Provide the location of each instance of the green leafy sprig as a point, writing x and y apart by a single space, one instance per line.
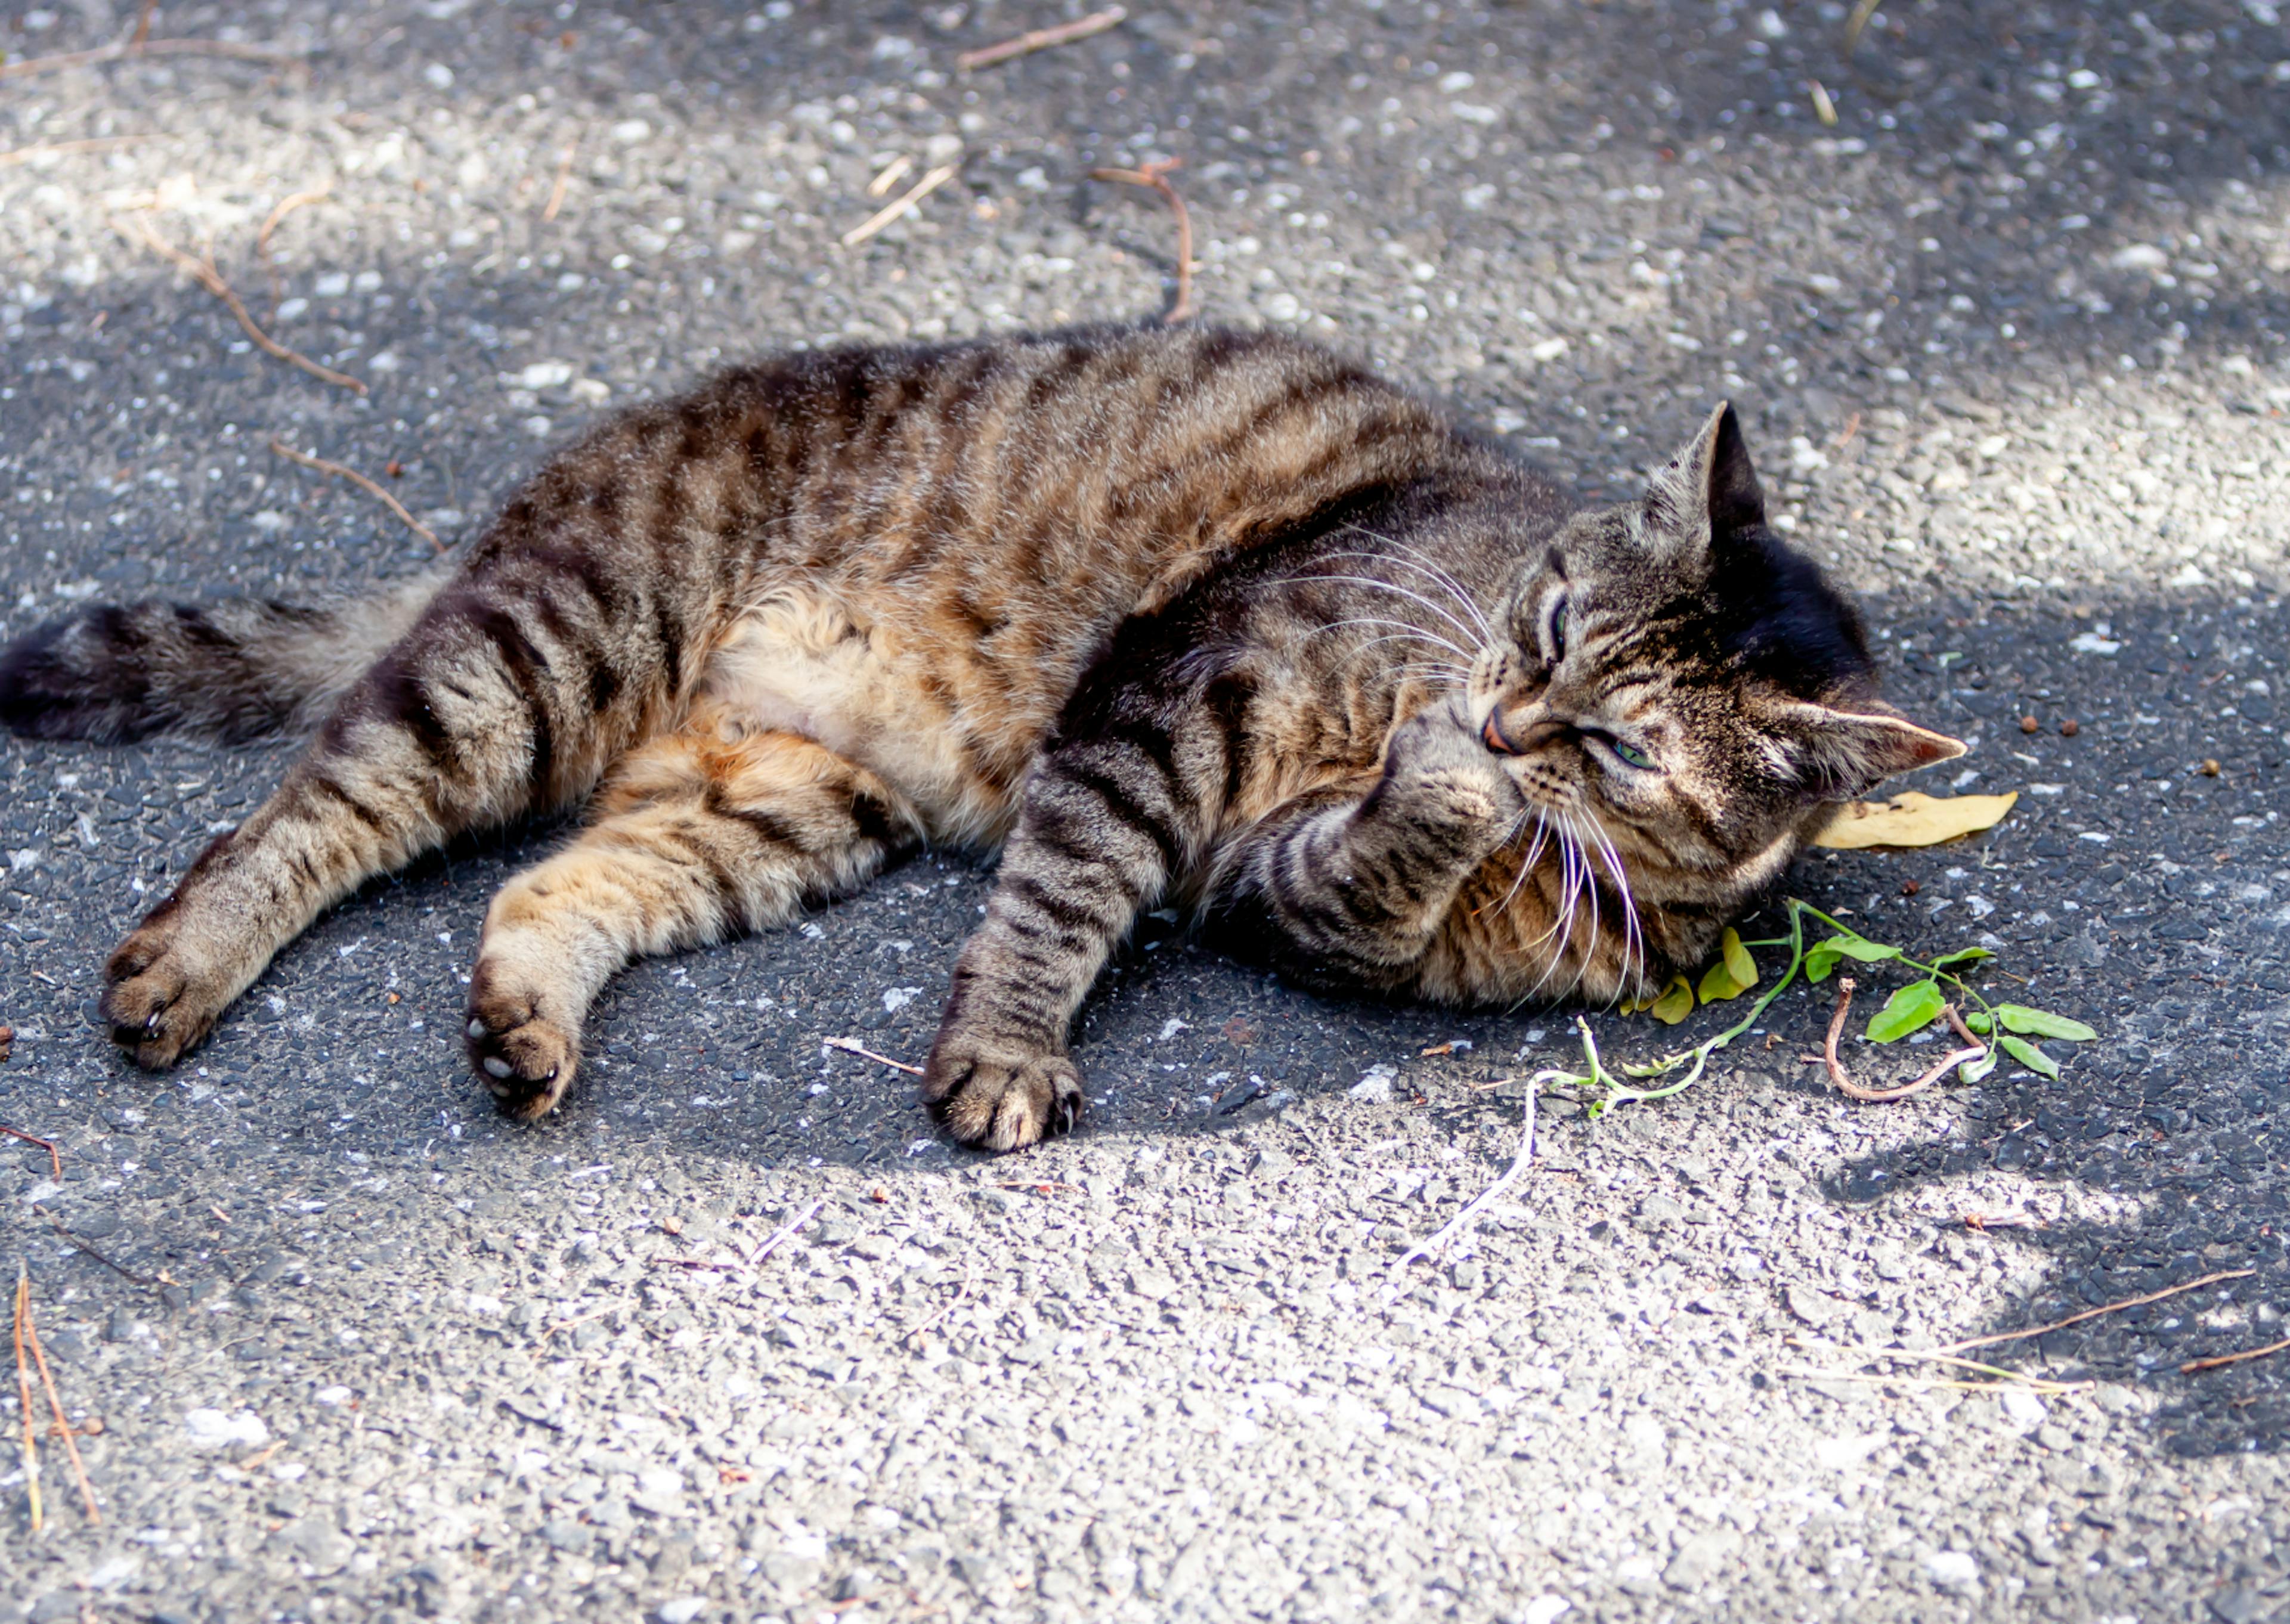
2003 1027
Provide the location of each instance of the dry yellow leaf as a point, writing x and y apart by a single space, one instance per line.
1913 819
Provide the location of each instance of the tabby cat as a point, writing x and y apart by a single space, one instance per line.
1206 619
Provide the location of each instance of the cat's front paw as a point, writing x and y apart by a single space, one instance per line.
998 1096
165 987
526 1058
1437 770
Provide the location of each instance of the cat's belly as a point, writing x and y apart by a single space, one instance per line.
800 663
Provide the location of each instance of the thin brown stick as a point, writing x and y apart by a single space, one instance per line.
287 206
31 1446
55 1157
785 1230
1041 39
953 1303
1851 1089
563 181
567 1324
121 1269
901 206
2192 1366
204 272
1862 11
852 1046
893 173
363 484
2112 1307
40 149
1922 1383
149 47
142 35
1155 176
56 1407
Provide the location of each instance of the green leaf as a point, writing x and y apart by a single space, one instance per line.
1971 1071
1962 956
1736 958
1676 1002
2042 1023
1976 1020
1822 957
1718 984
1912 1009
2034 1059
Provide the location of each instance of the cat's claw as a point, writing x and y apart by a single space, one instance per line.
526 1061
999 1098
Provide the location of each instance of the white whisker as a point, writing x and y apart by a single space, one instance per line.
1413 597
1413 630
1439 576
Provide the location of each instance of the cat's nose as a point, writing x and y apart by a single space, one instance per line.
1526 730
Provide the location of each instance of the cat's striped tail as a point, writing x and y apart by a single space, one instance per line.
239 669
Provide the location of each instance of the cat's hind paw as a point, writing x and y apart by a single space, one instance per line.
526 1061
162 996
997 1097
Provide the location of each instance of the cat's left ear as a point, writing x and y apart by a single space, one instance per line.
1844 754
1708 491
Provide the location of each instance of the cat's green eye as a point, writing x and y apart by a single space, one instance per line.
1633 756
1558 627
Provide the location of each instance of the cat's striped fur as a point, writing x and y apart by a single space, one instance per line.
1196 615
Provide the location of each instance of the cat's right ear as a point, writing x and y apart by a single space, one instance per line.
1707 491
1840 754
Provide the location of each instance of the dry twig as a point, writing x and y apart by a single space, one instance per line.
55 1157
852 1046
564 181
582 1319
204 272
31 1448
893 173
55 1400
119 49
2039 1385
143 33
121 1269
951 1304
2192 1366
1862 11
1041 39
287 206
2009 1220
900 206
1155 176
2112 1307
1851 1089
1519 1163
785 1230
40 149
363 484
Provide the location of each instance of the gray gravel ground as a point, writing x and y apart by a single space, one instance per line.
2011 340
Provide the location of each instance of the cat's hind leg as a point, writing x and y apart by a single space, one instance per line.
694 839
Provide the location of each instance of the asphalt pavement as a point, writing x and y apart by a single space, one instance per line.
2009 339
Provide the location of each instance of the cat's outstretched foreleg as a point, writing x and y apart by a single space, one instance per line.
694 838
1104 825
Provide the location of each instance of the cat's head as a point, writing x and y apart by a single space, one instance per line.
1674 670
